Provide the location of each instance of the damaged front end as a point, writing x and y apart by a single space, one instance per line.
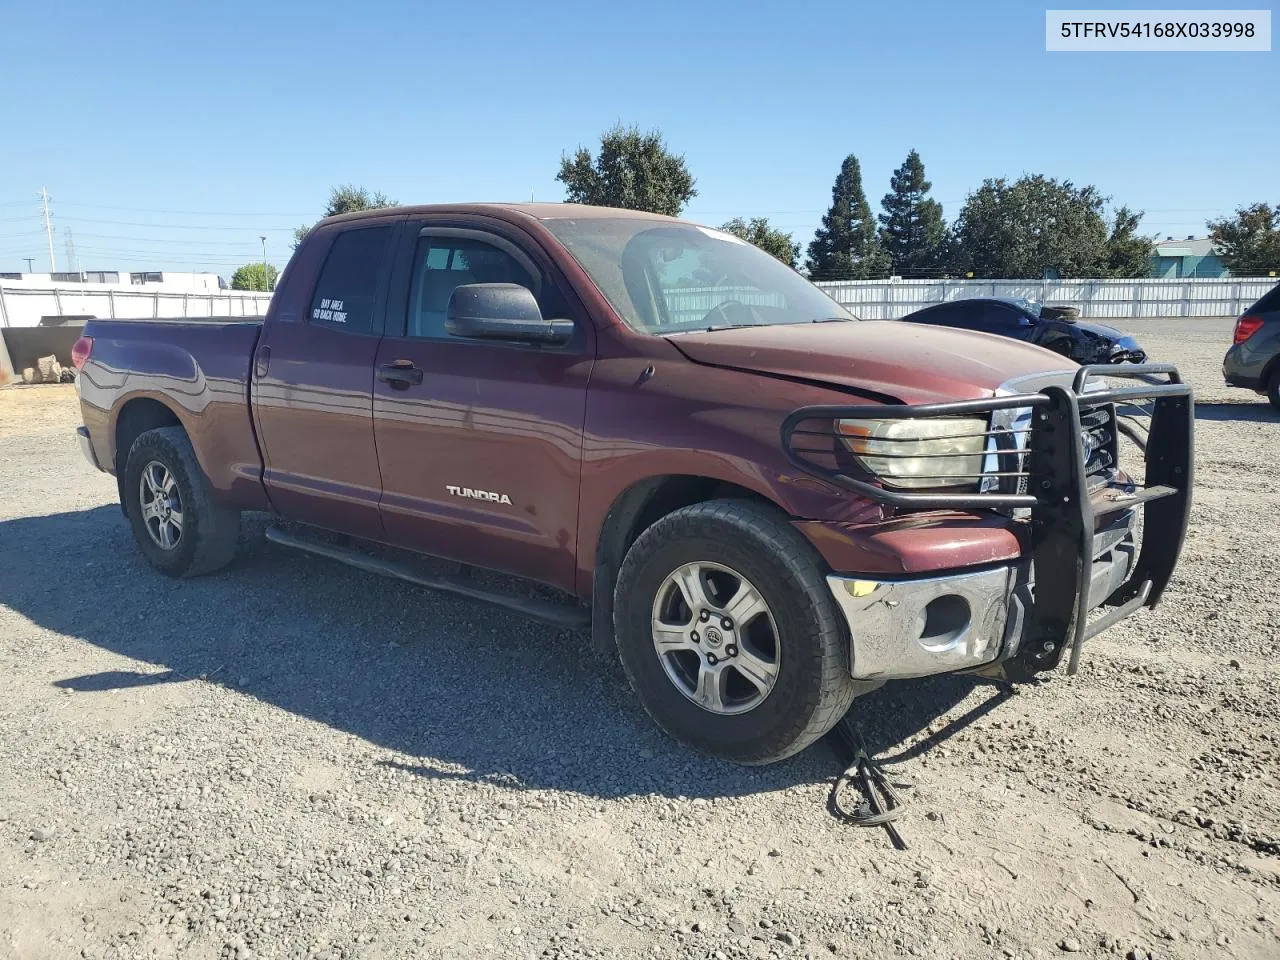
1050 461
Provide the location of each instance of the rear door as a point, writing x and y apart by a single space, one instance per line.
313 384
480 443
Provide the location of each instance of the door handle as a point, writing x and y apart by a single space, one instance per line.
400 374
262 362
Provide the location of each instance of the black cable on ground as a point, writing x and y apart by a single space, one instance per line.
879 805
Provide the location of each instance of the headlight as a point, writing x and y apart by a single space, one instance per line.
915 454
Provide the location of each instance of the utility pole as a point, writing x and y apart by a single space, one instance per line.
266 274
30 261
48 228
73 259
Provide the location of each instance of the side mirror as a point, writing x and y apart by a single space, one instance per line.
502 311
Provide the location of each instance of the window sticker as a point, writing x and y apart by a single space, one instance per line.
331 310
720 235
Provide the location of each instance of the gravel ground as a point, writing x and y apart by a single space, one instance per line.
296 759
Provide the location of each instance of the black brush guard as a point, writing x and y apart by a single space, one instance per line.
1051 468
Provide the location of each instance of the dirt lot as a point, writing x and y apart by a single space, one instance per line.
296 759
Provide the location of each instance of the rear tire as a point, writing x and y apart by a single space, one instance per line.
769 683
169 503
1273 390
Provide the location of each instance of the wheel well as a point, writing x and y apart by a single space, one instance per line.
638 508
1272 369
136 418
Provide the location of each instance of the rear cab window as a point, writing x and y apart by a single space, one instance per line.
348 285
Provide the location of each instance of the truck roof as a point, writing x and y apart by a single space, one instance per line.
536 211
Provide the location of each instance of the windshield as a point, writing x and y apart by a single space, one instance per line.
675 277
1032 307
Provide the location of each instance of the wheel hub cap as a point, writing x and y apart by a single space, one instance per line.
716 638
161 505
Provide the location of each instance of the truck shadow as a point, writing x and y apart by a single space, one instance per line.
453 688
1259 412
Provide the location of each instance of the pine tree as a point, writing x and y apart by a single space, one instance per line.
845 247
912 230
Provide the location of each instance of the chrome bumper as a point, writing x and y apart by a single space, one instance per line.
915 628
86 447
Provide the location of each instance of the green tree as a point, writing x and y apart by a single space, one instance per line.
769 239
1032 226
346 198
912 230
633 170
845 247
1128 253
1249 242
253 276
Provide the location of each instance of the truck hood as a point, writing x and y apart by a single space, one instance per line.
909 362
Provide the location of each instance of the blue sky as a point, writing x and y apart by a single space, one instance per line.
171 135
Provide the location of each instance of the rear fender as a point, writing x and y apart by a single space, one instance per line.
198 372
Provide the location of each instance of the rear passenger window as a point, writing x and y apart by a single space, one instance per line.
349 280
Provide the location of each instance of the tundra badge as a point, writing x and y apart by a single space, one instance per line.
479 494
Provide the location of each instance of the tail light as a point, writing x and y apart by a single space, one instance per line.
80 351
1246 327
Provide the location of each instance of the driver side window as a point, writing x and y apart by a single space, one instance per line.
997 318
443 263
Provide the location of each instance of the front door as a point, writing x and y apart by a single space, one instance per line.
480 443
313 390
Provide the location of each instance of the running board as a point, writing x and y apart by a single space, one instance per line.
564 615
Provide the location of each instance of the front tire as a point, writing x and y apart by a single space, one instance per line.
729 635
167 497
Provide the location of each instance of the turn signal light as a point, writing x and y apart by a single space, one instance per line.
1246 327
80 351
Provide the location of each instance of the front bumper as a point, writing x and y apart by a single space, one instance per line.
961 621
1081 555
86 447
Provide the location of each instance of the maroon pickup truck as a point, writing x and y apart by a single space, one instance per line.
762 504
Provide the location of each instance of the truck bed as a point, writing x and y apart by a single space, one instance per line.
201 366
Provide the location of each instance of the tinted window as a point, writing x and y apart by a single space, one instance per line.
443 263
349 281
997 318
962 314
1269 303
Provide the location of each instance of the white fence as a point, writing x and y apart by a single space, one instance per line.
1116 299
869 299
24 306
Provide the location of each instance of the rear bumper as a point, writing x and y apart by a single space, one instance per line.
1244 365
86 447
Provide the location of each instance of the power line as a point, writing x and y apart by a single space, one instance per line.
174 226
167 241
187 213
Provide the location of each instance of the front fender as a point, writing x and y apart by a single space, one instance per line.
690 420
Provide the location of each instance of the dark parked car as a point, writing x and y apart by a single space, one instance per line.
1254 358
1049 327
761 505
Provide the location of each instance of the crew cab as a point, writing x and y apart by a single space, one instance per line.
760 504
